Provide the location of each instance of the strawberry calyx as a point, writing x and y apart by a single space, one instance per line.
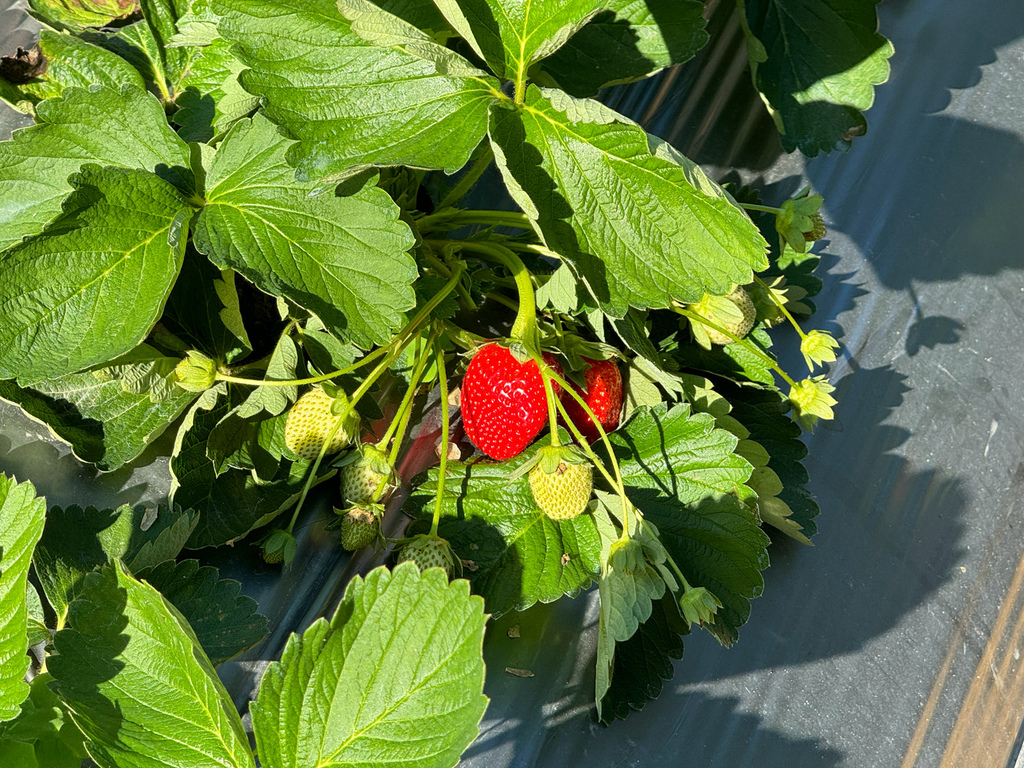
278 546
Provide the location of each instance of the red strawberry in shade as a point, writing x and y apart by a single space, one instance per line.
603 395
503 401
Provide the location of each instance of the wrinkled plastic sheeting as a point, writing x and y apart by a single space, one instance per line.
895 641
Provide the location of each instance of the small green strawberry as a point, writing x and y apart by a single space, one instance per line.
278 546
562 480
430 551
366 475
312 420
734 312
360 526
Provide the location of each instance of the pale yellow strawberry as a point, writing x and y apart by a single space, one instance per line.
564 493
310 422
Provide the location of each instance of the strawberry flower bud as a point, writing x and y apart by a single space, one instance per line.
818 348
812 400
196 373
698 605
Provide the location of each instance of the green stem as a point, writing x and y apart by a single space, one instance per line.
446 221
402 416
694 317
442 269
540 250
781 305
502 299
524 329
466 182
445 435
401 339
763 208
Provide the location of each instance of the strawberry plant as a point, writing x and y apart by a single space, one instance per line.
244 221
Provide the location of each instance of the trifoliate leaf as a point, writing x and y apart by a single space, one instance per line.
816 64
70 61
511 35
342 258
818 347
119 246
519 555
812 400
102 422
76 541
395 678
629 40
107 126
224 621
21 524
656 229
136 680
339 94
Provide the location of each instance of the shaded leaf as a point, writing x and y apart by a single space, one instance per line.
224 621
629 40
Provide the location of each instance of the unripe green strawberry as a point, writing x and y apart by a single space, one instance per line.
428 552
366 475
360 526
734 312
817 230
561 479
278 546
310 422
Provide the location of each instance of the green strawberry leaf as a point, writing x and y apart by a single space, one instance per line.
681 471
135 44
342 258
144 370
337 94
224 621
119 244
732 361
75 541
644 661
816 91
38 632
516 555
70 61
629 40
765 414
107 126
211 99
645 204
629 587
424 16
395 678
204 311
511 35
22 516
81 14
135 679
42 735
234 503
102 422
162 18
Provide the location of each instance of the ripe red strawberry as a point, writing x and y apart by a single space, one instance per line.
603 395
503 402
